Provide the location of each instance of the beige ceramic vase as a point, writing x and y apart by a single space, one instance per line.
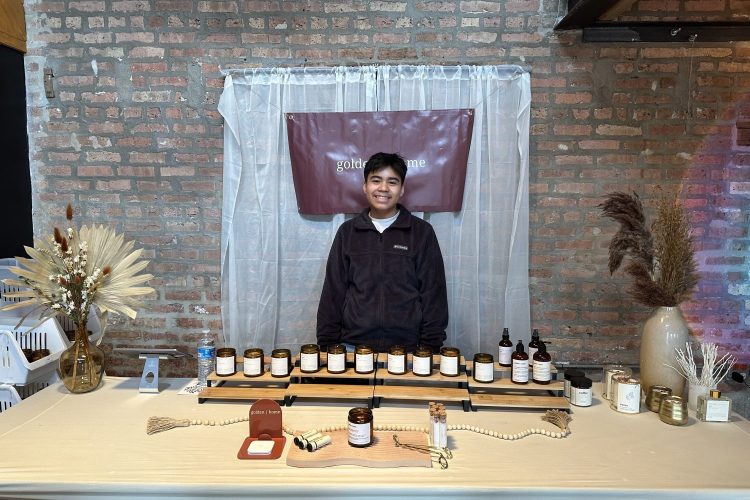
664 332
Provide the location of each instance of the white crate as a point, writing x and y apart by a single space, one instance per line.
8 397
11 395
14 367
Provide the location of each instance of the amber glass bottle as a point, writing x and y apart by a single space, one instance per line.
505 348
541 370
533 345
519 372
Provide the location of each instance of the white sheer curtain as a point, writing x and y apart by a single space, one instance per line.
273 258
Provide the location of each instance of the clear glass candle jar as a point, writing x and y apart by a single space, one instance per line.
397 360
281 362
226 361
364 359
309 358
421 362
252 364
360 429
484 368
336 358
449 361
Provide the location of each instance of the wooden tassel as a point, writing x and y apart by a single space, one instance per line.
559 418
160 424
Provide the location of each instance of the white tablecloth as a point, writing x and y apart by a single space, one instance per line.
95 445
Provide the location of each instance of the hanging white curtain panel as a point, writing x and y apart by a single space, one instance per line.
273 258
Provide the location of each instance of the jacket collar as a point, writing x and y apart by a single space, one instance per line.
403 221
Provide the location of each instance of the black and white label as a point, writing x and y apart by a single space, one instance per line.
279 367
337 362
252 366
359 433
396 363
308 362
225 365
520 371
504 356
449 365
542 371
422 365
484 372
363 362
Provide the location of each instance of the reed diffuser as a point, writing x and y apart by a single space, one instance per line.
714 370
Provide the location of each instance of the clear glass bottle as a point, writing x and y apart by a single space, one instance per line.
206 357
714 407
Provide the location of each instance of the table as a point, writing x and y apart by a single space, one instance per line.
94 445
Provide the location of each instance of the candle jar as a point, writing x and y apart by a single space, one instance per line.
360 427
226 361
364 359
484 369
309 358
580 391
654 396
449 361
252 365
569 374
421 364
610 371
281 362
336 358
397 360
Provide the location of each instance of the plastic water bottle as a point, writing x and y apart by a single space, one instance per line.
206 355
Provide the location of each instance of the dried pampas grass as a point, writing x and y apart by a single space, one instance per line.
660 258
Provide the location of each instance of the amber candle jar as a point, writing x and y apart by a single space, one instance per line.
309 358
397 360
421 364
484 370
360 427
364 359
252 364
226 361
281 362
449 361
336 358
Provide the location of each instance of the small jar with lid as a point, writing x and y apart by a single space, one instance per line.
484 369
226 361
336 358
252 364
449 361
580 391
364 359
397 360
421 361
309 358
281 362
360 427
568 375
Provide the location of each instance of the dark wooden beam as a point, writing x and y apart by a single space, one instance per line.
582 13
665 31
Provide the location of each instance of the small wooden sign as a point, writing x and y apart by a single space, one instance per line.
266 440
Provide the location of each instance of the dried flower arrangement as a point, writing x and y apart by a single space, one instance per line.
714 370
73 271
660 258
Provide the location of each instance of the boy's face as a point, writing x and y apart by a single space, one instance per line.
383 189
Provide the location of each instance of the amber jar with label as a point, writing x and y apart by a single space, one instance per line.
281 362
397 360
336 358
450 360
421 362
360 427
309 358
252 364
226 361
364 359
484 369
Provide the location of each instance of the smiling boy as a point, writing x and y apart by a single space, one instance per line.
385 279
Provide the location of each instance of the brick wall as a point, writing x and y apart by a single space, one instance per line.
133 139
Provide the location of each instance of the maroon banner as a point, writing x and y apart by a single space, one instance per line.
329 151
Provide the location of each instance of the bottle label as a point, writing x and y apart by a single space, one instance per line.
225 365
484 372
520 371
308 362
717 411
280 367
580 397
542 370
449 365
396 363
337 362
359 433
252 366
363 362
505 354
206 352
422 365
532 351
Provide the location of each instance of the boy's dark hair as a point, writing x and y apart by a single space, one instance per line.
379 161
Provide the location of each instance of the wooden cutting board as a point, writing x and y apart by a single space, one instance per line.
382 453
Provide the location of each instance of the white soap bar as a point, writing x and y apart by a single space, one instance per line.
260 447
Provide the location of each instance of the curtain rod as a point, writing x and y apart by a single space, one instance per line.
313 69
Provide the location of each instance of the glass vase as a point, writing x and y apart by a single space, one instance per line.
81 365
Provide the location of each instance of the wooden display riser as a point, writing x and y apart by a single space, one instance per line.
503 393
239 387
331 392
